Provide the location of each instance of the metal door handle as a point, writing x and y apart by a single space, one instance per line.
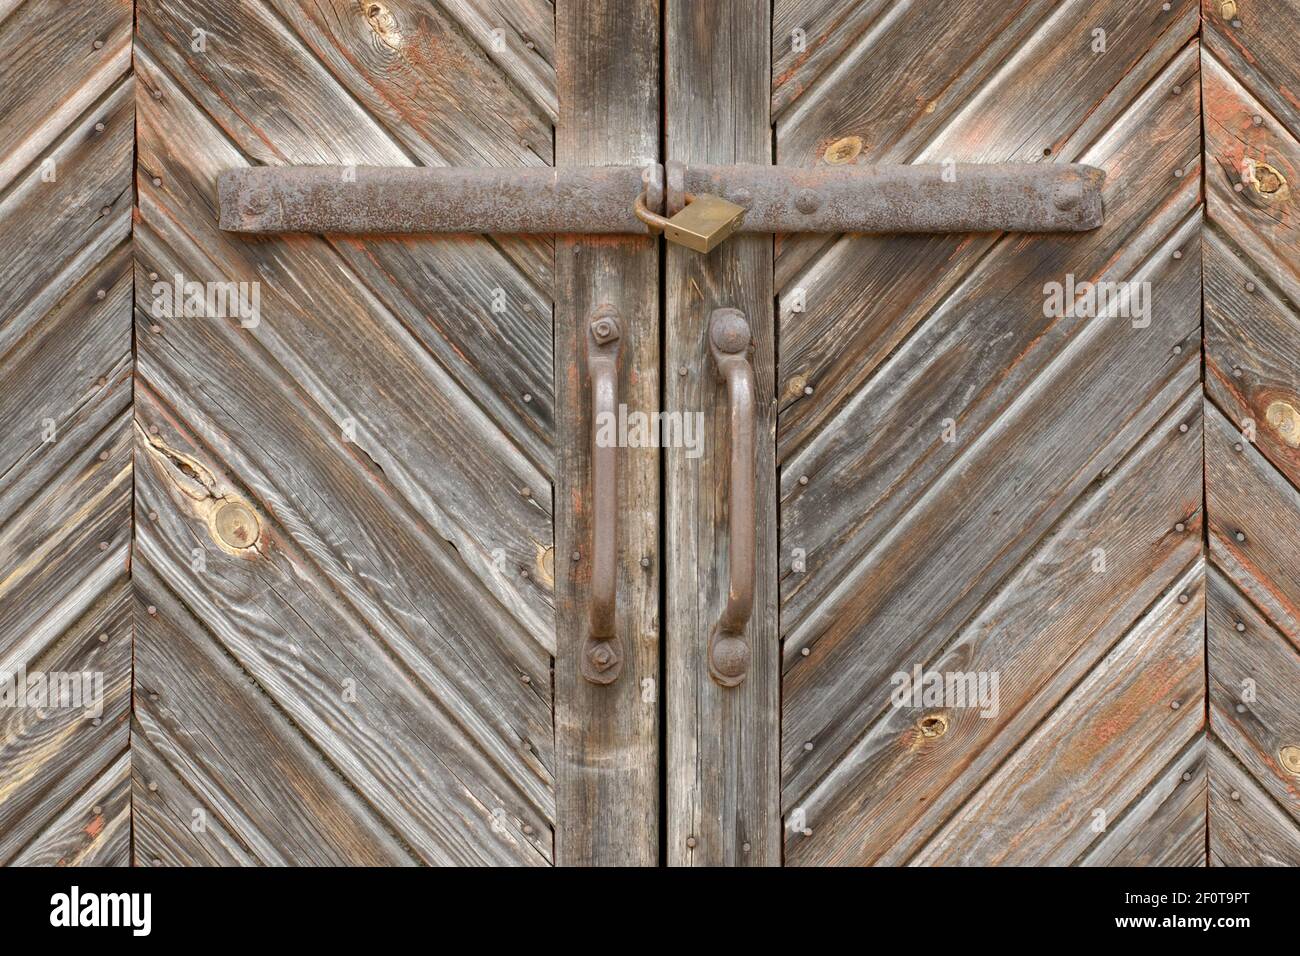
602 656
729 340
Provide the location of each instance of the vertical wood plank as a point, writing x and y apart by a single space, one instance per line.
607 745
723 804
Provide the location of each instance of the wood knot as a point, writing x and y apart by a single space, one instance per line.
1266 181
843 151
382 22
235 525
933 725
1284 418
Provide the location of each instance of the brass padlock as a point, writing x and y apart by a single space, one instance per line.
702 224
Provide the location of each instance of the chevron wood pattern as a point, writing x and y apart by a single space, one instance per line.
297 547
66 119
1251 249
343 561
969 485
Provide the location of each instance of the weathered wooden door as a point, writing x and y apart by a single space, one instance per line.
350 504
1024 549
982 595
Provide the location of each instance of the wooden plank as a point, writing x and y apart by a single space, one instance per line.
48 225
1254 523
1130 717
94 829
723 806
890 792
222 776
320 327
1254 41
1246 826
1166 826
904 600
52 758
864 461
52 68
607 736
1254 692
383 642
1252 364
385 55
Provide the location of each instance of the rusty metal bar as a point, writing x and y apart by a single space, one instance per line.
602 656
369 199
960 197
729 341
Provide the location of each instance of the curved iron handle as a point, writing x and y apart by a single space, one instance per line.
729 340
602 654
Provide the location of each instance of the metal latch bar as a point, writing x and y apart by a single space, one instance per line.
962 197
406 199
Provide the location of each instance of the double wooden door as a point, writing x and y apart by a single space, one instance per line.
331 550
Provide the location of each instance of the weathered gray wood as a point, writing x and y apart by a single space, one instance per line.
1246 827
1254 691
1126 721
66 168
94 829
607 736
56 758
723 806
51 71
1044 630
1015 386
387 636
1166 825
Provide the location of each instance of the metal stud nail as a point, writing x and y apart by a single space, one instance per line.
1183 598
1241 708
152 611
106 210
1187 775
691 842
1240 626
805 651
1180 527
1178 253
807 389
808 745
528 830
1178 174
1240 536
101 293
1183 427
526 679
576 556
103 638
103 456
1257 120
103 546
153 786
99 127
1235 795
98 44
1250 287
803 479
1238 447
682 370
1175 704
